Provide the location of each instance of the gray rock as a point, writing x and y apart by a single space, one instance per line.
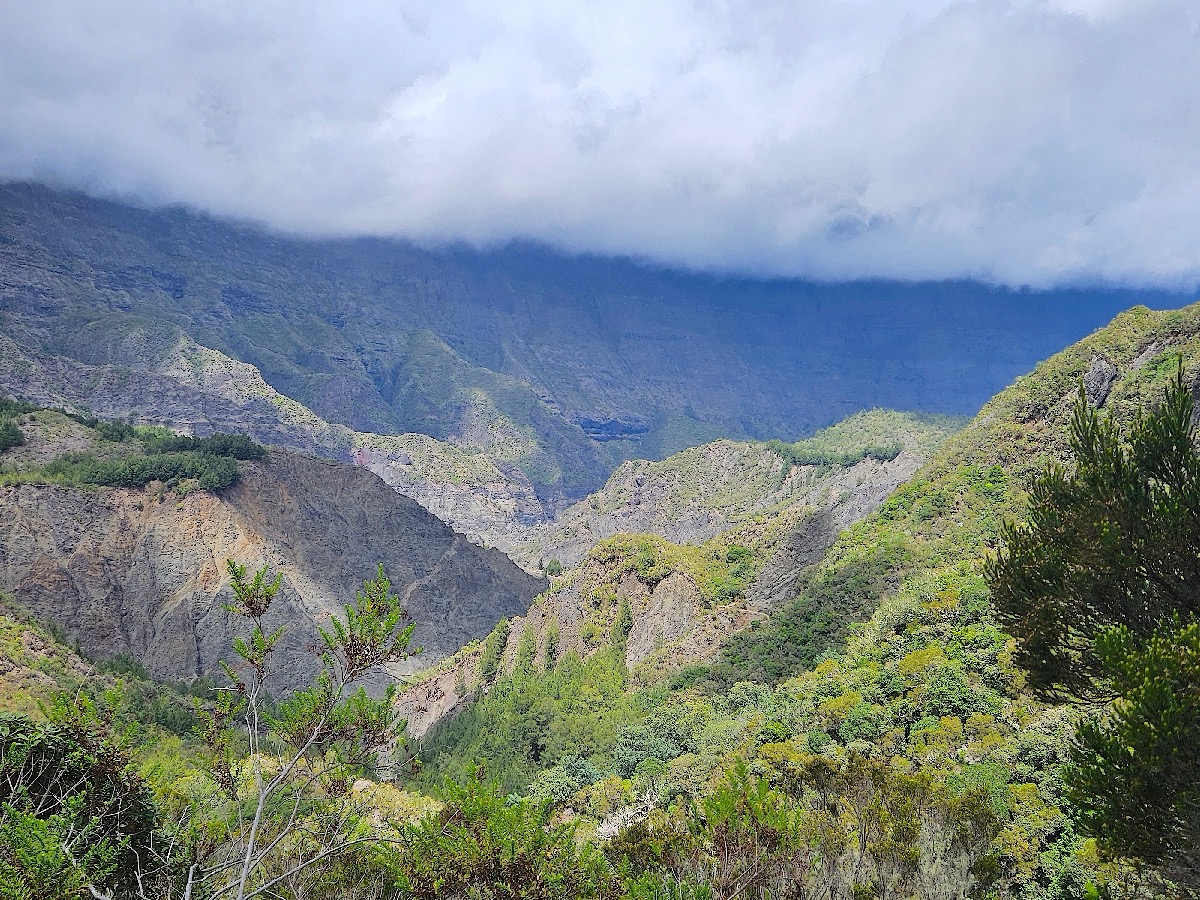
1098 380
129 571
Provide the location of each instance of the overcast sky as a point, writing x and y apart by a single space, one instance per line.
1028 141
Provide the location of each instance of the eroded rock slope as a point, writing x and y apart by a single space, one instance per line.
143 571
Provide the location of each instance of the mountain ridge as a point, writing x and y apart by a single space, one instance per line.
141 571
559 366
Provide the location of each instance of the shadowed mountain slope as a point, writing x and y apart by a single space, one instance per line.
559 366
142 571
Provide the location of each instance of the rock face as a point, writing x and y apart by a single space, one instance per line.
196 390
134 571
696 494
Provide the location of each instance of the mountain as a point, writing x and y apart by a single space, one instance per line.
141 571
692 496
197 390
691 548
922 685
559 367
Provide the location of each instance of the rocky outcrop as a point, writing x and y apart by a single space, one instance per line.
143 572
693 496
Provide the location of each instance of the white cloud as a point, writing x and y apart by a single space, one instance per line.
1034 141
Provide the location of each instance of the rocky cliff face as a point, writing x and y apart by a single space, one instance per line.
196 390
698 493
140 572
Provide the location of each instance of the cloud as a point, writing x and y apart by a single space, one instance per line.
1027 141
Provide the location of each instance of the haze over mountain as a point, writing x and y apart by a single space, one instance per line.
557 366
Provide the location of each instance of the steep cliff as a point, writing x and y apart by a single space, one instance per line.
143 571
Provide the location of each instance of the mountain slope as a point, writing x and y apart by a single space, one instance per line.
924 685
559 366
196 390
754 522
142 571
694 495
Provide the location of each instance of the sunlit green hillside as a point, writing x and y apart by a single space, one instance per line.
924 689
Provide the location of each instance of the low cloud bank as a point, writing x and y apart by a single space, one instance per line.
1023 142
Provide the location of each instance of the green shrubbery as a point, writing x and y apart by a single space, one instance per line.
880 434
150 454
10 436
799 454
10 432
211 473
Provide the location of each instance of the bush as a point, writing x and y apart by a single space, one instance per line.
234 446
479 845
212 473
72 813
10 436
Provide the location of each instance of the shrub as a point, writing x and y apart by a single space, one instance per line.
10 436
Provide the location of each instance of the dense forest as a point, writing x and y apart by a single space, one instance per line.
987 688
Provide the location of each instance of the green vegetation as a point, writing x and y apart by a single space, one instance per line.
877 737
534 719
874 434
174 470
481 845
10 436
72 812
888 689
122 455
797 635
1101 587
10 432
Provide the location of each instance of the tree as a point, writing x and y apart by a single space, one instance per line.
481 845
1101 588
10 436
74 818
283 809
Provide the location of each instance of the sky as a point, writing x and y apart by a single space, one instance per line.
1035 142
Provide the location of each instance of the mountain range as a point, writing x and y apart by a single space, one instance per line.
556 367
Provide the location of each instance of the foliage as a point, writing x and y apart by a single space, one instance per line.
73 816
799 454
142 455
1101 588
718 575
813 827
531 720
481 846
281 809
796 635
493 650
10 435
925 684
10 432
874 434
211 473
1113 542
1133 779
235 446
10 408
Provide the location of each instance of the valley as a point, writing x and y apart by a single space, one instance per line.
694 644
